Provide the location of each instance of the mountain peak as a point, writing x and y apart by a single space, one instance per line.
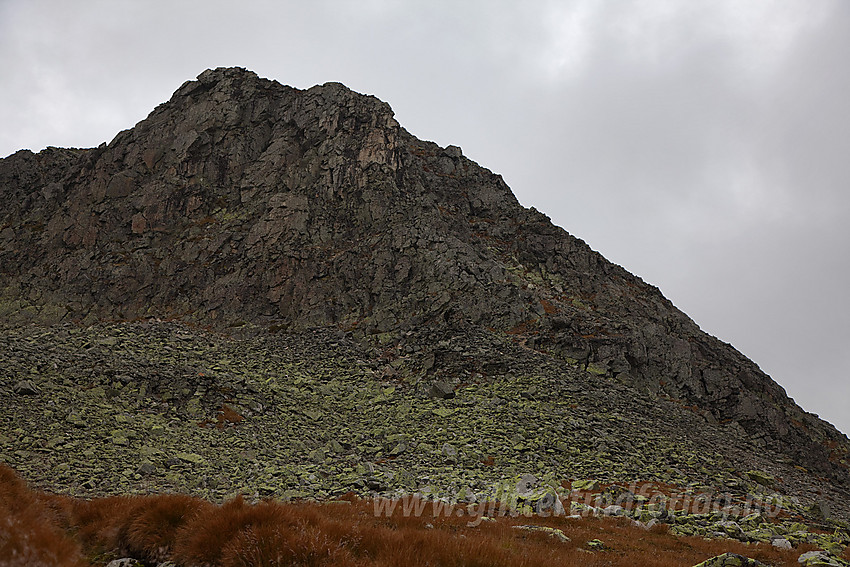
243 203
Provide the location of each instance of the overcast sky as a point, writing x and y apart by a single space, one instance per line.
704 146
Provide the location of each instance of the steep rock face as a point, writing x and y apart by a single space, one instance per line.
242 200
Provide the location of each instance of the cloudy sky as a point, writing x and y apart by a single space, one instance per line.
704 146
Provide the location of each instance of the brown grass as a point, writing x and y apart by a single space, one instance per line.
548 308
226 416
30 528
38 529
153 530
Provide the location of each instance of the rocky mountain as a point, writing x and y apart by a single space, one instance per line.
248 222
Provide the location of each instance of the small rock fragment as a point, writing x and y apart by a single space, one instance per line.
730 560
125 562
554 533
441 389
26 388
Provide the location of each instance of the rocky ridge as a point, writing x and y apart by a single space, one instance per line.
311 222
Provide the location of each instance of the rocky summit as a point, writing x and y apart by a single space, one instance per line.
282 292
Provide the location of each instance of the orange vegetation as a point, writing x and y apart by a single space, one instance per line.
30 528
548 308
38 529
225 416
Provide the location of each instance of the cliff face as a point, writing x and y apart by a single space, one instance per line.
242 201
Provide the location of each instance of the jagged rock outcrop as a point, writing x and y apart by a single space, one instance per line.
244 201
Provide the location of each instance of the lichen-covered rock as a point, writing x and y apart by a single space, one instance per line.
585 485
822 559
554 533
781 543
125 562
730 560
761 478
26 388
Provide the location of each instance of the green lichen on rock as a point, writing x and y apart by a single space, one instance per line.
761 478
822 559
597 369
554 533
585 485
730 560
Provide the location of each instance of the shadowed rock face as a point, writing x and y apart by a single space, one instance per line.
244 201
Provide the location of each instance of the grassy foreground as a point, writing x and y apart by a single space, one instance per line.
44 529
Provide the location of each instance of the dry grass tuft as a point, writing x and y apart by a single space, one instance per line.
152 531
203 540
101 524
30 532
